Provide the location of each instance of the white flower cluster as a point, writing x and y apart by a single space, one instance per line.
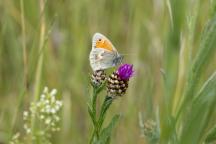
45 112
15 139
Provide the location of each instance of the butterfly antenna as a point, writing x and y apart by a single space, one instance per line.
128 54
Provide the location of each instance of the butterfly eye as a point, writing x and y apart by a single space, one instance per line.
99 39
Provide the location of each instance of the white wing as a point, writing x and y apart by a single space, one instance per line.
101 59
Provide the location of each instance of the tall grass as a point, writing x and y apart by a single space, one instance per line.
171 44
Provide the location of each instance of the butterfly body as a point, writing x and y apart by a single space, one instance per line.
103 54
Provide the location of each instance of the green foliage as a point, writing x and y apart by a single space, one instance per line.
200 113
196 108
99 135
106 132
201 60
211 135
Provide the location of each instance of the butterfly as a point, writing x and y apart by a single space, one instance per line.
103 54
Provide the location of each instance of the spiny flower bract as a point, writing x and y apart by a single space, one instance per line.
98 77
118 81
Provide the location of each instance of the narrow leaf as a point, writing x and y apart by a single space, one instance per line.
106 133
200 112
211 136
206 49
106 104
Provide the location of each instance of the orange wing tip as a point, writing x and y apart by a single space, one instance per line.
100 43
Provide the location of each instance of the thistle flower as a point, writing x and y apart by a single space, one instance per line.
125 71
98 77
118 81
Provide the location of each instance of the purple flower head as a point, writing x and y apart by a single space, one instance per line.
125 71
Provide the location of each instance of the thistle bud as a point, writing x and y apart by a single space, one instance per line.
98 77
151 130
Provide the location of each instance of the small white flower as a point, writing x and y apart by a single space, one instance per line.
48 107
57 107
32 108
41 116
28 130
53 111
38 104
53 92
57 118
45 89
42 110
42 96
59 103
47 121
47 101
53 99
25 113
16 136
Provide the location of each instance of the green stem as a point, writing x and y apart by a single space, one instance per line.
94 113
106 104
94 101
40 61
92 138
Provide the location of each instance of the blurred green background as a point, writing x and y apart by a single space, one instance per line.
150 32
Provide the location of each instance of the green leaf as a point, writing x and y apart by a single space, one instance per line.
106 104
106 132
101 87
206 49
200 112
211 136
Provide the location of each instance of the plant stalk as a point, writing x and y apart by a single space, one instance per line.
40 61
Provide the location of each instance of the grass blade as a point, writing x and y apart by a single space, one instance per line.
206 49
200 112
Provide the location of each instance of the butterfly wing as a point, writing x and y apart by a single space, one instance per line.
101 41
101 59
103 53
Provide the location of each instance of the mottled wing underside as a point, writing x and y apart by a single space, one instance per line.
103 53
101 59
